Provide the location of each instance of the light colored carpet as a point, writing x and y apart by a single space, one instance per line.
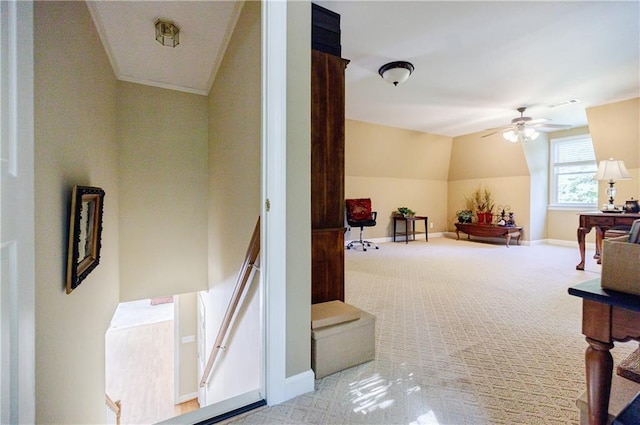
466 333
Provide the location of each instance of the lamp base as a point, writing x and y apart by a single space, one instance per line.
611 193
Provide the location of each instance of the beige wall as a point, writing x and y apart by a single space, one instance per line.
234 205
495 164
298 335
506 191
163 172
615 131
396 168
75 143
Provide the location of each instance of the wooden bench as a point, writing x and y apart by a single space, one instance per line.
489 231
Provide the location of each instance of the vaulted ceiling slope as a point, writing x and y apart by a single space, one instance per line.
475 62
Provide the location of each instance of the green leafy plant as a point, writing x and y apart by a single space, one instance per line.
407 212
464 216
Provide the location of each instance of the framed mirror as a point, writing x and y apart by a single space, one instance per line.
85 231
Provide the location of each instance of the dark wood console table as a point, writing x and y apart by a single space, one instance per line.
607 316
410 229
489 231
602 222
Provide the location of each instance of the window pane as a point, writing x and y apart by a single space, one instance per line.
577 189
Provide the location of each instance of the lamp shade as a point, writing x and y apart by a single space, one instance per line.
611 170
396 72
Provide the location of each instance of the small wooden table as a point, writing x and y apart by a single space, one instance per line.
489 231
412 220
602 222
607 316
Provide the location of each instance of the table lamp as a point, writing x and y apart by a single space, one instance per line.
611 170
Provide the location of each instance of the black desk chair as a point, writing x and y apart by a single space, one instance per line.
359 214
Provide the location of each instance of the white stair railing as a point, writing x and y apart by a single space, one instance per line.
114 410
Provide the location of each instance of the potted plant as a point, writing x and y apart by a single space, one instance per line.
465 216
406 212
483 202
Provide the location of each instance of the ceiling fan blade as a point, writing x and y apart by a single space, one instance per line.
538 121
489 134
550 126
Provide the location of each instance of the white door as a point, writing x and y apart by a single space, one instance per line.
17 284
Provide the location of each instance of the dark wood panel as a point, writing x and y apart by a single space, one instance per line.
327 140
325 30
327 265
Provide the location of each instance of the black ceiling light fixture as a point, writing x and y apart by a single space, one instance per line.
396 72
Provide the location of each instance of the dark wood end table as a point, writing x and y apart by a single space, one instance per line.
407 232
489 231
602 222
607 316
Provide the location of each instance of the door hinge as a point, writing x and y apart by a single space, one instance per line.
267 204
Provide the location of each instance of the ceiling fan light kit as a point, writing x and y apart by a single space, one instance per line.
522 134
523 129
396 72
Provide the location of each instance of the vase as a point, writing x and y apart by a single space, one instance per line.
485 217
488 218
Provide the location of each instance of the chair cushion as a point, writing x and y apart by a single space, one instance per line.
359 209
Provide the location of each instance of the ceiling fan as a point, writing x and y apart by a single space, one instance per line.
523 129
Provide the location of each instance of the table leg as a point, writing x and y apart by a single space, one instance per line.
508 238
457 234
599 366
599 237
406 231
413 230
582 231
394 229
426 229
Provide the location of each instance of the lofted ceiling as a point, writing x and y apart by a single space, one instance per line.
475 62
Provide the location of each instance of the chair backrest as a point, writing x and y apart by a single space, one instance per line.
359 209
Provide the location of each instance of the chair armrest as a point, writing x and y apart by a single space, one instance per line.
374 214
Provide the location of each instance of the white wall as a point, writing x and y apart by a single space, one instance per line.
298 255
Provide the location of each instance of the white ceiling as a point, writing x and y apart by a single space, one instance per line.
475 62
128 34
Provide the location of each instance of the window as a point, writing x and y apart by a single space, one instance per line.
573 165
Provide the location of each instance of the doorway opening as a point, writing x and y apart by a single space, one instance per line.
140 362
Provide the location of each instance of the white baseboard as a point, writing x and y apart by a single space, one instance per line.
399 238
299 384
